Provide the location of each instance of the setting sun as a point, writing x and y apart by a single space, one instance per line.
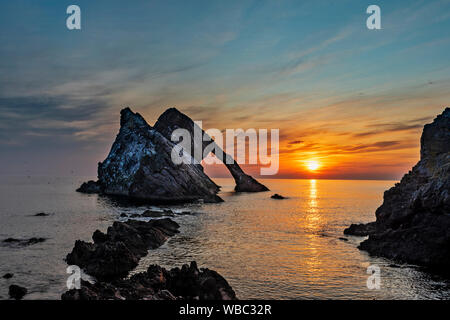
313 165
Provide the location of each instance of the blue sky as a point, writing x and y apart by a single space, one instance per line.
310 68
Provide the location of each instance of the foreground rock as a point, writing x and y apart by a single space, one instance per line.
22 242
17 292
173 119
114 254
90 187
278 196
361 229
413 223
139 166
157 283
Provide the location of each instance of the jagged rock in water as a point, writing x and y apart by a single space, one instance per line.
361 229
413 223
114 254
41 214
22 242
277 196
158 283
90 187
173 119
157 214
139 166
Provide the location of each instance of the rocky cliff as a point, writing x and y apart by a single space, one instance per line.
173 119
413 223
139 166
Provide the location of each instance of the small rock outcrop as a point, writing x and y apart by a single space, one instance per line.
157 214
8 276
173 119
277 196
361 229
41 214
17 292
413 223
139 166
22 242
90 187
114 254
157 283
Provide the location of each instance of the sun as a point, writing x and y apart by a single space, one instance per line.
312 165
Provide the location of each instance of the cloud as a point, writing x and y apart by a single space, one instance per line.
384 128
295 142
55 118
330 149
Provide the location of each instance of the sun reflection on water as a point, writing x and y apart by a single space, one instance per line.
313 216
312 196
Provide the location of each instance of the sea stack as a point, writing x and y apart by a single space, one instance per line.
173 119
413 223
139 166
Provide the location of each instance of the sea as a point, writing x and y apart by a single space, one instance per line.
265 248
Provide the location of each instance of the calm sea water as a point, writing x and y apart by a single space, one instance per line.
265 248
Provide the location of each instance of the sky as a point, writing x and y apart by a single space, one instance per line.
351 100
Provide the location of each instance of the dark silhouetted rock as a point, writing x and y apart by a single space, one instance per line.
277 196
157 214
157 283
361 229
41 214
23 242
173 119
413 223
8 276
99 237
17 292
114 254
139 166
90 187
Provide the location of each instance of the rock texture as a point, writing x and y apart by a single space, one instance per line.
157 283
139 166
413 223
173 119
114 254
